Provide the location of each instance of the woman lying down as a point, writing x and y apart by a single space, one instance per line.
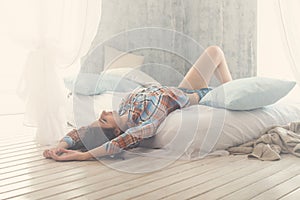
141 112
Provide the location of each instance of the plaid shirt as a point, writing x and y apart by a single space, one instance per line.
146 108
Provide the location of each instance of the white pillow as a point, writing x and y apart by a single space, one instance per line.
209 128
248 93
213 129
117 80
132 74
118 59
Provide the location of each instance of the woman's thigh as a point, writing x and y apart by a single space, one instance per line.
201 72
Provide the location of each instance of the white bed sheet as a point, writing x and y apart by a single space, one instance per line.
193 132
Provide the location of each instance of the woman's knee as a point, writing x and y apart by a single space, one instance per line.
214 52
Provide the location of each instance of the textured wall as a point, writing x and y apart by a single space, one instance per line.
230 24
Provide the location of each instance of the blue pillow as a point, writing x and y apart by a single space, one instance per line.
248 93
93 84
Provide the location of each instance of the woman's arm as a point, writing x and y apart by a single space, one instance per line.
77 155
72 139
128 139
55 150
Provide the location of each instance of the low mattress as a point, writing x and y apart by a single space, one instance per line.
192 132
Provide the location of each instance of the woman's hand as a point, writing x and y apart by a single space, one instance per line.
47 152
55 150
69 155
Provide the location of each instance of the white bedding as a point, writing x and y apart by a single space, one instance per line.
195 131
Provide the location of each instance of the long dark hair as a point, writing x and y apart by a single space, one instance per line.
92 137
110 133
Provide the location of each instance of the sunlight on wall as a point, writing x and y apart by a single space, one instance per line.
18 36
272 60
12 31
13 54
12 61
19 33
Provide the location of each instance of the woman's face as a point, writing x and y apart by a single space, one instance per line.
108 119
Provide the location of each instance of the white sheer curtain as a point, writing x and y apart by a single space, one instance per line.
289 15
278 50
63 33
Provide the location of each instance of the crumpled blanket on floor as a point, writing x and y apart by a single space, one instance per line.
273 141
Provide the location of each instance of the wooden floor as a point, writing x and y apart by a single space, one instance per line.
25 174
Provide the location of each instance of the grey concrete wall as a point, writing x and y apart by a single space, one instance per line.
230 24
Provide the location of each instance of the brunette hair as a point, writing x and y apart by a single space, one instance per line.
110 133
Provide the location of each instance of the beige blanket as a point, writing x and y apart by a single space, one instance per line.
274 141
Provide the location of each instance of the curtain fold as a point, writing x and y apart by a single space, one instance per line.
64 32
288 12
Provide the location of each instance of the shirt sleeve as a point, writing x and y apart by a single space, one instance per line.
180 97
132 136
74 138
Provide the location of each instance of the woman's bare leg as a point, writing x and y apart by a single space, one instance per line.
212 61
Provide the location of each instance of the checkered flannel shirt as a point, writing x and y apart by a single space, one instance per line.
146 108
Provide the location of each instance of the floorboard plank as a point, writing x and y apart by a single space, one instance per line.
10 169
293 195
139 187
69 178
26 174
203 182
111 187
14 145
266 169
30 177
22 161
264 184
18 152
20 157
113 182
280 190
